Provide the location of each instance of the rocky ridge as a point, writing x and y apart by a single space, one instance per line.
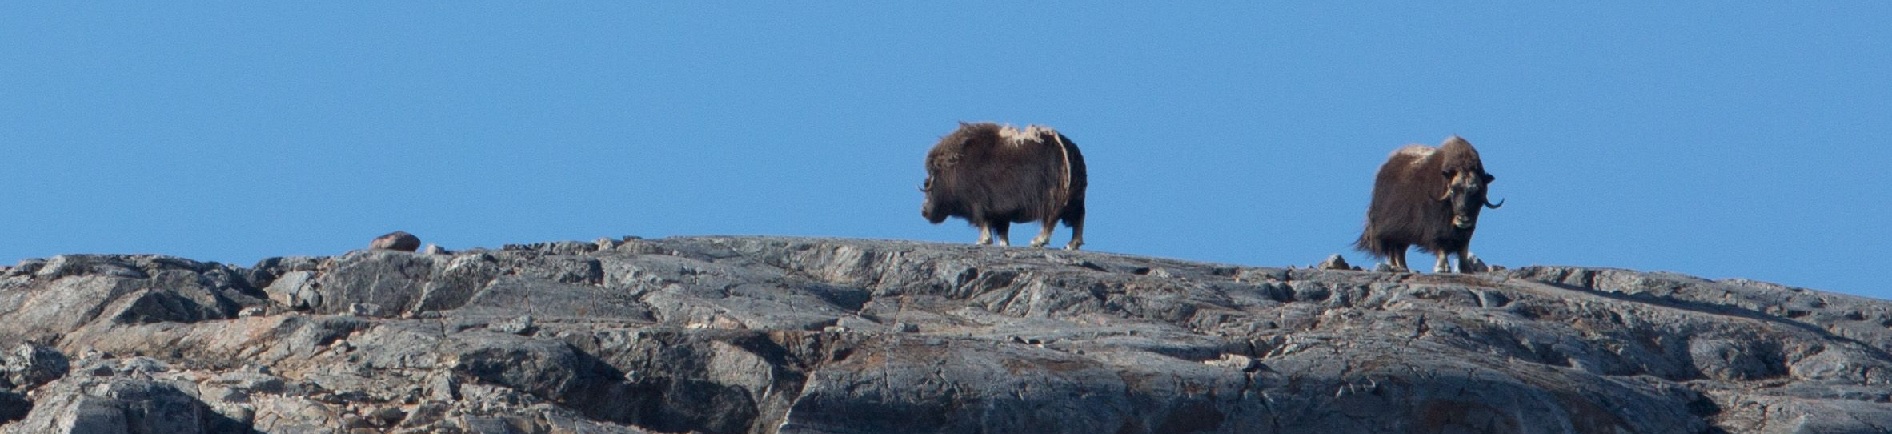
793 335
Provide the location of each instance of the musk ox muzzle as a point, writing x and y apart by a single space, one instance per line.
927 209
1462 221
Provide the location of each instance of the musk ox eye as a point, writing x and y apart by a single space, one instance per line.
1446 173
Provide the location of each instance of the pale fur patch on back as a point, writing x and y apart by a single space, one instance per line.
1420 151
1035 134
1030 134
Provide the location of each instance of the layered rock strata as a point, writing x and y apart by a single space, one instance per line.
792 335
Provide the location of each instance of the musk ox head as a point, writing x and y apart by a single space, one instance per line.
1465 192
1465 182
941 191
934 214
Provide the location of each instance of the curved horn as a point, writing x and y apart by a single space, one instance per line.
1488 204
1447 195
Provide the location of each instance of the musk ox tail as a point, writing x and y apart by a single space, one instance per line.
1064 184
1069 195
1369 244
1069 182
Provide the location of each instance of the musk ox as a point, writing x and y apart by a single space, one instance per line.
994 176
1427 197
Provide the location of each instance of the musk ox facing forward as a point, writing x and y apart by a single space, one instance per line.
1427 197
994 176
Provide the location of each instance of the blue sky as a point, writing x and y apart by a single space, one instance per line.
1708 138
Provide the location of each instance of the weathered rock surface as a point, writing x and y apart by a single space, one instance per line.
787 335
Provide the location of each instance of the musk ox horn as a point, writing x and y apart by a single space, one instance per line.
1488 204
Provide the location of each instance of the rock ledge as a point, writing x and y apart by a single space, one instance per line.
796 335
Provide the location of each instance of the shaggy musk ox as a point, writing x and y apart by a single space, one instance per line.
994 176
1427 197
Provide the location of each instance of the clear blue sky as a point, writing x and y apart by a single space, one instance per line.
1709 138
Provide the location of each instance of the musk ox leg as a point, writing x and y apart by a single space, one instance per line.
1077 233
1444 265
1395 256
1469 263
1044 234
1002 230
985 234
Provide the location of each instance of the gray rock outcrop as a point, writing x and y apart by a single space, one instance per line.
29 366
791 335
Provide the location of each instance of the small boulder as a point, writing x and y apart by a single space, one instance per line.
397 241
13 406
518 326
29 366
295 290
364 309
1334 262
1476 265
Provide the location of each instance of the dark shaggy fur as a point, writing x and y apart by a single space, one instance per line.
1430 198
994 176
